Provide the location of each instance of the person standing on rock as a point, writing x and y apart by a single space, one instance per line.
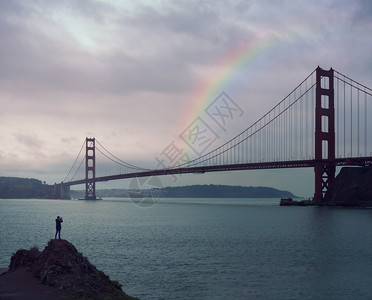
59 220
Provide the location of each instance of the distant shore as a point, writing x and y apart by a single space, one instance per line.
194 191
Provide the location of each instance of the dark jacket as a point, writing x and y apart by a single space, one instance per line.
58 223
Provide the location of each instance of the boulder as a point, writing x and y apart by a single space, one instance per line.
24 258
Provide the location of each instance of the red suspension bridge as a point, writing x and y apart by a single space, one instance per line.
325 122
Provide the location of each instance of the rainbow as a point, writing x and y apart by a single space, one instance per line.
227 68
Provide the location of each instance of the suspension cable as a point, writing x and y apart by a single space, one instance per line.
72 178
82 146
366 90
119 161
366 87
200 159
105 155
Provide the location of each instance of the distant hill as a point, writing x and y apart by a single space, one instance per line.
15 187
223 191
198 191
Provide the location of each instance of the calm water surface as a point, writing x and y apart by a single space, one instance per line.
206 248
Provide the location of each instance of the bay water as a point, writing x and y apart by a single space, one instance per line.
206 248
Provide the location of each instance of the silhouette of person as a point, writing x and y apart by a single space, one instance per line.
59 220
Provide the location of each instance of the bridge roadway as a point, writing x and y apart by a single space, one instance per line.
354 161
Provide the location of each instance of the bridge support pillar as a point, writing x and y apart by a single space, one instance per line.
324 133
65 191
90 169
61 191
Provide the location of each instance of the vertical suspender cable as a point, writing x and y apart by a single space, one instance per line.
296 126
290 143
246 142
285 133
286 143
266 138
291 137
344 118
274 136
261 141
338 119
365 123
268 129
351 120
257 141
250 145
271 138
312 119
255 144
306 120
301 128
358 150
239 149
280 134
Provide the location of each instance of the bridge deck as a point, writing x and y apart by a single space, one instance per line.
354 161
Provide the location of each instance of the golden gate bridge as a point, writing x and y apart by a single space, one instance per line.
324 122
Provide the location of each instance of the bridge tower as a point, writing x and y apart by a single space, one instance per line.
90 169
324 133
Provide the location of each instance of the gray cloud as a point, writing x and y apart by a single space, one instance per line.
363 12
30 141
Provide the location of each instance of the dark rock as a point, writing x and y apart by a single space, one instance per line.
24 258
61 266
352 187
291 202
286 202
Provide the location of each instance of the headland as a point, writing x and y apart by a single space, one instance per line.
58 272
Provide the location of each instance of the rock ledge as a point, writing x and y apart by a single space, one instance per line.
61 266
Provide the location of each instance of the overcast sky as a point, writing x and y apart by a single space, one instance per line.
135 74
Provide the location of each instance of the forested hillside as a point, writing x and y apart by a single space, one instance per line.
15 187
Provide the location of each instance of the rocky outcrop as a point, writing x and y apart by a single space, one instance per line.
352 187
61 266
24 258
291 202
